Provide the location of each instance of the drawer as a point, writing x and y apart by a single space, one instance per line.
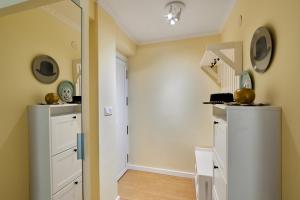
65 168
220 141
64 131
73 191
219 184
221 167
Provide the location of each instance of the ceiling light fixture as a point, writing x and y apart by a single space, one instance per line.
174 11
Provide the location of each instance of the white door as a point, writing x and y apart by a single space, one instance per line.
122 116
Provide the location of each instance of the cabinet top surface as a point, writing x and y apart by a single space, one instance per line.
55 106
226 107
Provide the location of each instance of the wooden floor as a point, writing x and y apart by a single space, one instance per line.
136 185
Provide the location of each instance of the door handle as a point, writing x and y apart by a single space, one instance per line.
216 167
215 122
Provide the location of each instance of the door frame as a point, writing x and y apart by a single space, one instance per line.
84 5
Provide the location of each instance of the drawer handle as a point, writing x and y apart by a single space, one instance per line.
76 182
74 117
75 150
216 167
215 122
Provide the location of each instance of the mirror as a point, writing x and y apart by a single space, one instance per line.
261 49
8 3
52 30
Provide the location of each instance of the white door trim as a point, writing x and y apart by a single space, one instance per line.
122 174
122 57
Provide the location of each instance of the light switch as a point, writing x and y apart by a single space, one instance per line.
107 111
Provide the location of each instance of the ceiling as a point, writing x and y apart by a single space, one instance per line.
144 21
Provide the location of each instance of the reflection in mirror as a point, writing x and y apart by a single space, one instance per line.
7 3
77 76
53 30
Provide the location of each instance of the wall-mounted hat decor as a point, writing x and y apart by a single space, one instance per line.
261 49
45 69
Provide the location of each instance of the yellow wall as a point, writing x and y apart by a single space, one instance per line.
124 44
110 39
22 37
280 84
166 116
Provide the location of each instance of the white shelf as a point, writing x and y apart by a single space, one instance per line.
237 62
222 51
205 66
212 74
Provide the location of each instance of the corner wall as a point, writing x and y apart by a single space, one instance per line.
167 118
280 84
110 39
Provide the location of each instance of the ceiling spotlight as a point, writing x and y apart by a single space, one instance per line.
174 11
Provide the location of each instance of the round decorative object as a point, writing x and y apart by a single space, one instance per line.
246 81
66 91
52 98
261 49
45 69
244 96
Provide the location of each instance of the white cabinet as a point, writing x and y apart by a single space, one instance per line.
247 153
55 170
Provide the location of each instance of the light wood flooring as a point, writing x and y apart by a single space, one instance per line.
136 185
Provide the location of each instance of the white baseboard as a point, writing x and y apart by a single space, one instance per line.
121 174
118 198
161 171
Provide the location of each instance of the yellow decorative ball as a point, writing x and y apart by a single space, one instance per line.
52 98
244 96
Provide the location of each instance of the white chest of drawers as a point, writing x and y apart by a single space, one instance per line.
247 153
55 171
